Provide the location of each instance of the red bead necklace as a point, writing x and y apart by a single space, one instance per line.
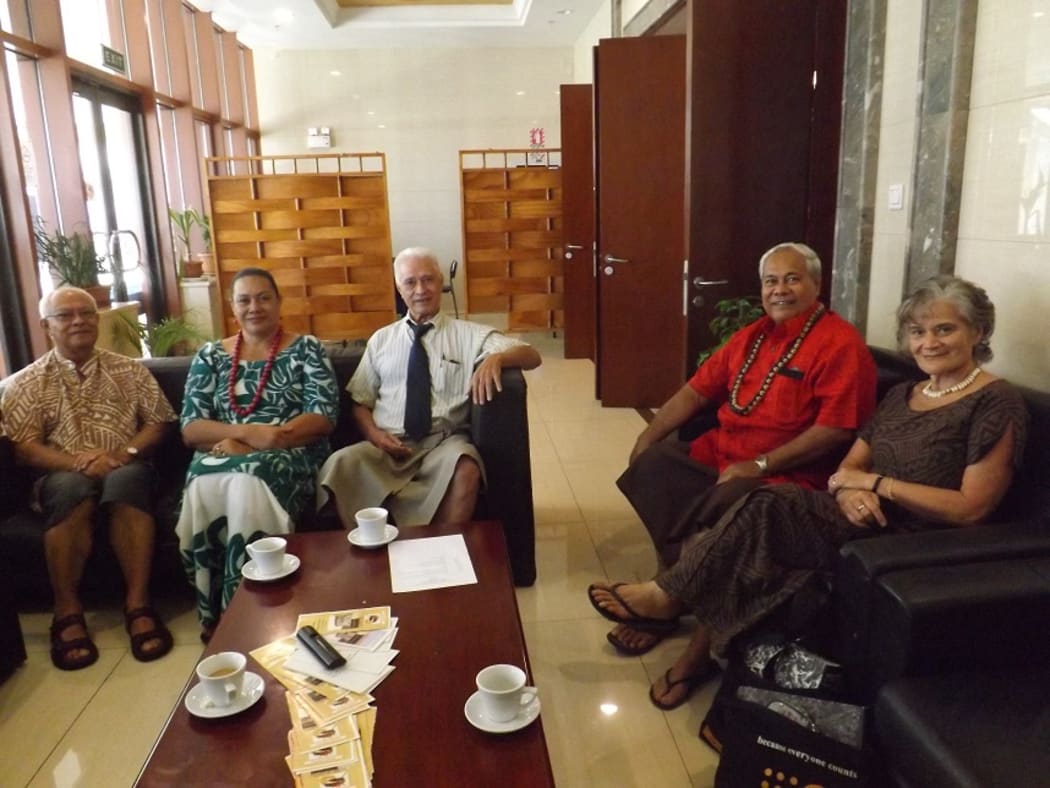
263 379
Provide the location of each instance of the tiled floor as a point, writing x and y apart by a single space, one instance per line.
95 727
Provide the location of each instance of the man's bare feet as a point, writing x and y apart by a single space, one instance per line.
632 642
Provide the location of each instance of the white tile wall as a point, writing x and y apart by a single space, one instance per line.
432 103
1004 226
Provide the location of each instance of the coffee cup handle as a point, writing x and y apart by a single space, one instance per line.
528 695
231 690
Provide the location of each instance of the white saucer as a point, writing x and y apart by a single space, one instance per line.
251 570
198 705
476 717
354 537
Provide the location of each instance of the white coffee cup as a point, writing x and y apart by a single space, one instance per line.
222 676
503 692
371 524
268 554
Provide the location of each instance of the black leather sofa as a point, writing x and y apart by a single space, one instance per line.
499 429
947 633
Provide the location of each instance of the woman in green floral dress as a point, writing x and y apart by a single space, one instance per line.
258 409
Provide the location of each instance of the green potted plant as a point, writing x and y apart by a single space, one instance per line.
172 336
206 257
733 315
183 223
72 260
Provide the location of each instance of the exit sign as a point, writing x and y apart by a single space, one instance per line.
114 60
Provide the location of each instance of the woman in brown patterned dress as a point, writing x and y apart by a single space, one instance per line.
938 453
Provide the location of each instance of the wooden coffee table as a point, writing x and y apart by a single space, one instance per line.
422 736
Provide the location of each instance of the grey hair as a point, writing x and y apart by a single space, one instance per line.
45 303
416 252
973 303
812 258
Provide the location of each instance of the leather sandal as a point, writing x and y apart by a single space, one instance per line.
61 650
663 626
158 632
690 682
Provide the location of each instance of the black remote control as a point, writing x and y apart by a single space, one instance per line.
320 648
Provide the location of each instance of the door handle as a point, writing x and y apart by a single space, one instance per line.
610 259
570 248
700 282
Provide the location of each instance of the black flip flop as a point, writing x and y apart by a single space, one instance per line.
663 626
691 683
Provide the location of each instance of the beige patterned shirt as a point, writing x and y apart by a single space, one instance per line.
101 407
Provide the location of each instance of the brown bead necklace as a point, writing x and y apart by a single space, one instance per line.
744 410
263 379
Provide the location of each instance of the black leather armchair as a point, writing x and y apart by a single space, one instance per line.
500 430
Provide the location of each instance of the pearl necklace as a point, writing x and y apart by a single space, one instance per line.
929 391
263 379
743 410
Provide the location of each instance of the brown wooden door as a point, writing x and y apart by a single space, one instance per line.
763 142
640 120
577 205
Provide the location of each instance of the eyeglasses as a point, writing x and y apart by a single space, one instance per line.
67 317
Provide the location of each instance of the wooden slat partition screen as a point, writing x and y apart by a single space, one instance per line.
320 224
512 232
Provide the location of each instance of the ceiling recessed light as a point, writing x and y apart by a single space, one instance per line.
520 93
336 73
382 125
371 112
564 11
282 16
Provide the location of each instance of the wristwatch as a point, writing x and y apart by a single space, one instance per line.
762 461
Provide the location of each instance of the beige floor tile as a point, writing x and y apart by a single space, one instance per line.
552 497
599 439
600 728
38 704
625 550
594 486
566 563
118 726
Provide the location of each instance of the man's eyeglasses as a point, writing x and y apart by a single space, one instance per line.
67 317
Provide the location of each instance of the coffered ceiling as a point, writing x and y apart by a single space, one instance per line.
356 24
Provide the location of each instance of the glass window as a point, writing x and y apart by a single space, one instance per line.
14 18
158 42
38 183
189 29
86 26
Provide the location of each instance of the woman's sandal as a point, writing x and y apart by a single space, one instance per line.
158 632
663 626
62 649
690 682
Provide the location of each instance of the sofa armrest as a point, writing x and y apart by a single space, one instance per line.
500 430
879 584
14 480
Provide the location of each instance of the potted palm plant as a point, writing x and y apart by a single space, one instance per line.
733 315
183 223
172 336
72 260
206 257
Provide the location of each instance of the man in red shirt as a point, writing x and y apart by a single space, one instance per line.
790 389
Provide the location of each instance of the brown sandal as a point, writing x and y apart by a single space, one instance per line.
61 649
158 632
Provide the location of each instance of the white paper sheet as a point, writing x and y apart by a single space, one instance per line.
434 562
361 673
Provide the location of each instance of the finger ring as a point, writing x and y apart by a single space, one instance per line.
860 507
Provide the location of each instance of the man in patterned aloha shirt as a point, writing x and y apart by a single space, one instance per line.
87 420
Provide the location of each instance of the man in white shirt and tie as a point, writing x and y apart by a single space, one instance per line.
412 395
